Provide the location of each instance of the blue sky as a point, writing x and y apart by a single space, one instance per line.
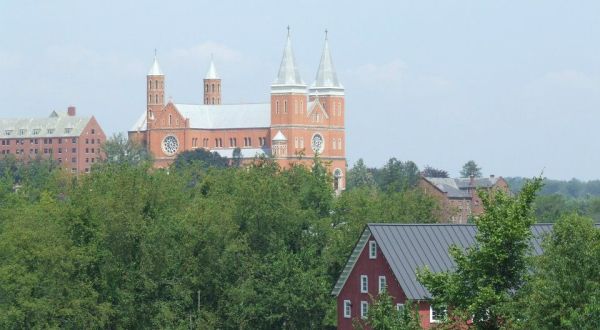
513 85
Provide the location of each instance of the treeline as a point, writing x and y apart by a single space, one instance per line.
192 246
570 189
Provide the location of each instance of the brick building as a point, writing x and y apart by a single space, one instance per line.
387 256
458 198
297 123
73 141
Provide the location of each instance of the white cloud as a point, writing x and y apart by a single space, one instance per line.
566 79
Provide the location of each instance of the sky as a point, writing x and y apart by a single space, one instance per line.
513 85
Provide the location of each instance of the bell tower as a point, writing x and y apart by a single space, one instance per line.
155 89
327 91
212 85
289 100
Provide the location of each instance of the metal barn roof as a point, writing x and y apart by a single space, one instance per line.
408 247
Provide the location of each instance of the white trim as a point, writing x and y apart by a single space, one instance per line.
372 249
382 280
364 284
399 307
352 259
364 309
347 309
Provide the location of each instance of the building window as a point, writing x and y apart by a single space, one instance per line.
399 307
213 89
74 160
87 141
372 249
73 170
364 309
74 140
60 141
73 150
347 309
340 143
206 90
60 150
334 144
35 131
364 284
382 284
213 100
296 142
276 108
437 313
284 106
93 131
301 142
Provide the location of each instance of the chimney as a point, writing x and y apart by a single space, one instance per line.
71 111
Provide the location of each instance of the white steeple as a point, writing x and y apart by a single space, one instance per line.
212 71
326 80
155 69
288 79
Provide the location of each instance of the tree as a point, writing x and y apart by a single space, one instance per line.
119 149
359 176
204 157
490 272
236 157
470 169
383 315
398 176
563 291
431 172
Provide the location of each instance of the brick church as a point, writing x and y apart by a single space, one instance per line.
298 122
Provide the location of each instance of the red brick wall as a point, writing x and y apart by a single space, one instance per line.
212 91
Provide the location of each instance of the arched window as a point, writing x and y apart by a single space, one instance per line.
206 88
156 98
156 84
334 144
213 87
284 106
277 107
213 100
170 119
150 84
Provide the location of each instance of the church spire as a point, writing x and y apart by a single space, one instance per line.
288 75
155 69
326 75
212 71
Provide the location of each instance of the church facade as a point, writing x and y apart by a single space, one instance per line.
299 122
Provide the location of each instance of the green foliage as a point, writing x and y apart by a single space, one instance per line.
201 245
383 315
397 176
119 149
490 272
469 169
359 176
431 172
201 156
563 291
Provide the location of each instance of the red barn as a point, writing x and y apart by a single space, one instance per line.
387 257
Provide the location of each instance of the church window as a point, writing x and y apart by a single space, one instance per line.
149 84
339 109
339 143
213 100
213 87
302 142
334 144
170 118
301 105
296 107
296 142
149 98
156 84
156 98
284 106
277 107
206 88
324 105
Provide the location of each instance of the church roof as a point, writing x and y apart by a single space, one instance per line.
212 71
58 124
326 74
155 68
288 74
219 116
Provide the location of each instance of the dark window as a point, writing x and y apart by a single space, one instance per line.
74 160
